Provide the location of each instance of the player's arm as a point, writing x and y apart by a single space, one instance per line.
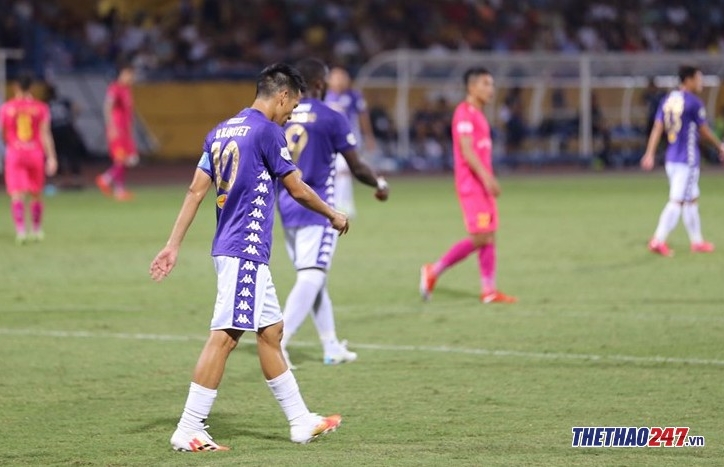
111 129
365 124
486 178
164 262
46 138
304 195
709 136
365 174
647 162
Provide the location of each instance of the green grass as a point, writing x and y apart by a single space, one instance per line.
84 382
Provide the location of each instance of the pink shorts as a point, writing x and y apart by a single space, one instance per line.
480 213
24 171
122 148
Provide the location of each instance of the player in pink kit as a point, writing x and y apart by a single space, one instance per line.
29 156
118 112
476 187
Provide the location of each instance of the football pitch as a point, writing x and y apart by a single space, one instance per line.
95 358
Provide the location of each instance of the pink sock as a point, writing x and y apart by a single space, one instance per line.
36 211
486 262
118 172
17 208
456 253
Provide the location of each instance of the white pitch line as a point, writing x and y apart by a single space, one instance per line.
381 347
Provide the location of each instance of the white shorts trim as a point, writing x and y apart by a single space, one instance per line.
311 246
246 298
683 181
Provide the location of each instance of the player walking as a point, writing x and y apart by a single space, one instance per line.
243 157
682 116
315 134
477 188
29 157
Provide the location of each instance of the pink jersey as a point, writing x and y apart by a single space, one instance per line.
22 118
471 122
121 102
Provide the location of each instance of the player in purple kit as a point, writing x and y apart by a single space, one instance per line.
682 117
343 98
315 134
243 157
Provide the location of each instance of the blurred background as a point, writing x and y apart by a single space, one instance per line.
577 81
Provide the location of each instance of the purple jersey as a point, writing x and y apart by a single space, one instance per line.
351 103
315 133
682 113
244 156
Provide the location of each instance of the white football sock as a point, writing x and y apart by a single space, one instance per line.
197 408
692 222
286 391
301 300
668 220
323 317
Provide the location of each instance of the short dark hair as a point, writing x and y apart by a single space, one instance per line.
312 69
278 77
687 71
25 81
474 72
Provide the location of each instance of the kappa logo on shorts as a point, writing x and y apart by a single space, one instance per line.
242 319
243 306
247 279
245 292
248 266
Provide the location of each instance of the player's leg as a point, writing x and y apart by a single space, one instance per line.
671 213
16 183
344 188
36 179
690 215
304 425
335 352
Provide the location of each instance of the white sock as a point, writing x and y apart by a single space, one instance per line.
286 391
197 408
301 300
323 317
668 220
692 222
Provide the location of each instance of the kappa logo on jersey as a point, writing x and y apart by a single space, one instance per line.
464 127
251 249
264 176
632 437
245 292
254 225
256 213
329 190
285 154
247 279
262 188
351 140
248 266
259 201
243 306
242 319
252 237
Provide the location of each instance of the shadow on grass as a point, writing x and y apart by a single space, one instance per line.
224 424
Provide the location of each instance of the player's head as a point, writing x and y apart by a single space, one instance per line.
479 84
24 83
281 87
314 73
691 78
126 74
338 79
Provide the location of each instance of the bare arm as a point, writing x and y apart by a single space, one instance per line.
365 125
365 174
164 262
107 115
707 135
304 195
486 178
647 162
51 161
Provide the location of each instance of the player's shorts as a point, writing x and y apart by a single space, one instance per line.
311 246
480 213
24 171
340 165
122 149
683 181
246 298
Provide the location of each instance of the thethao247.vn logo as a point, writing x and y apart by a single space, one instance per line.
633 437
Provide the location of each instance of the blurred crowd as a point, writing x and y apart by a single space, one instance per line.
217 37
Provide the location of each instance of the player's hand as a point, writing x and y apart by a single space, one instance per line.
112 132
721 152
132 160
647 162
51 166
493 187
340 223
163 263
383 189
